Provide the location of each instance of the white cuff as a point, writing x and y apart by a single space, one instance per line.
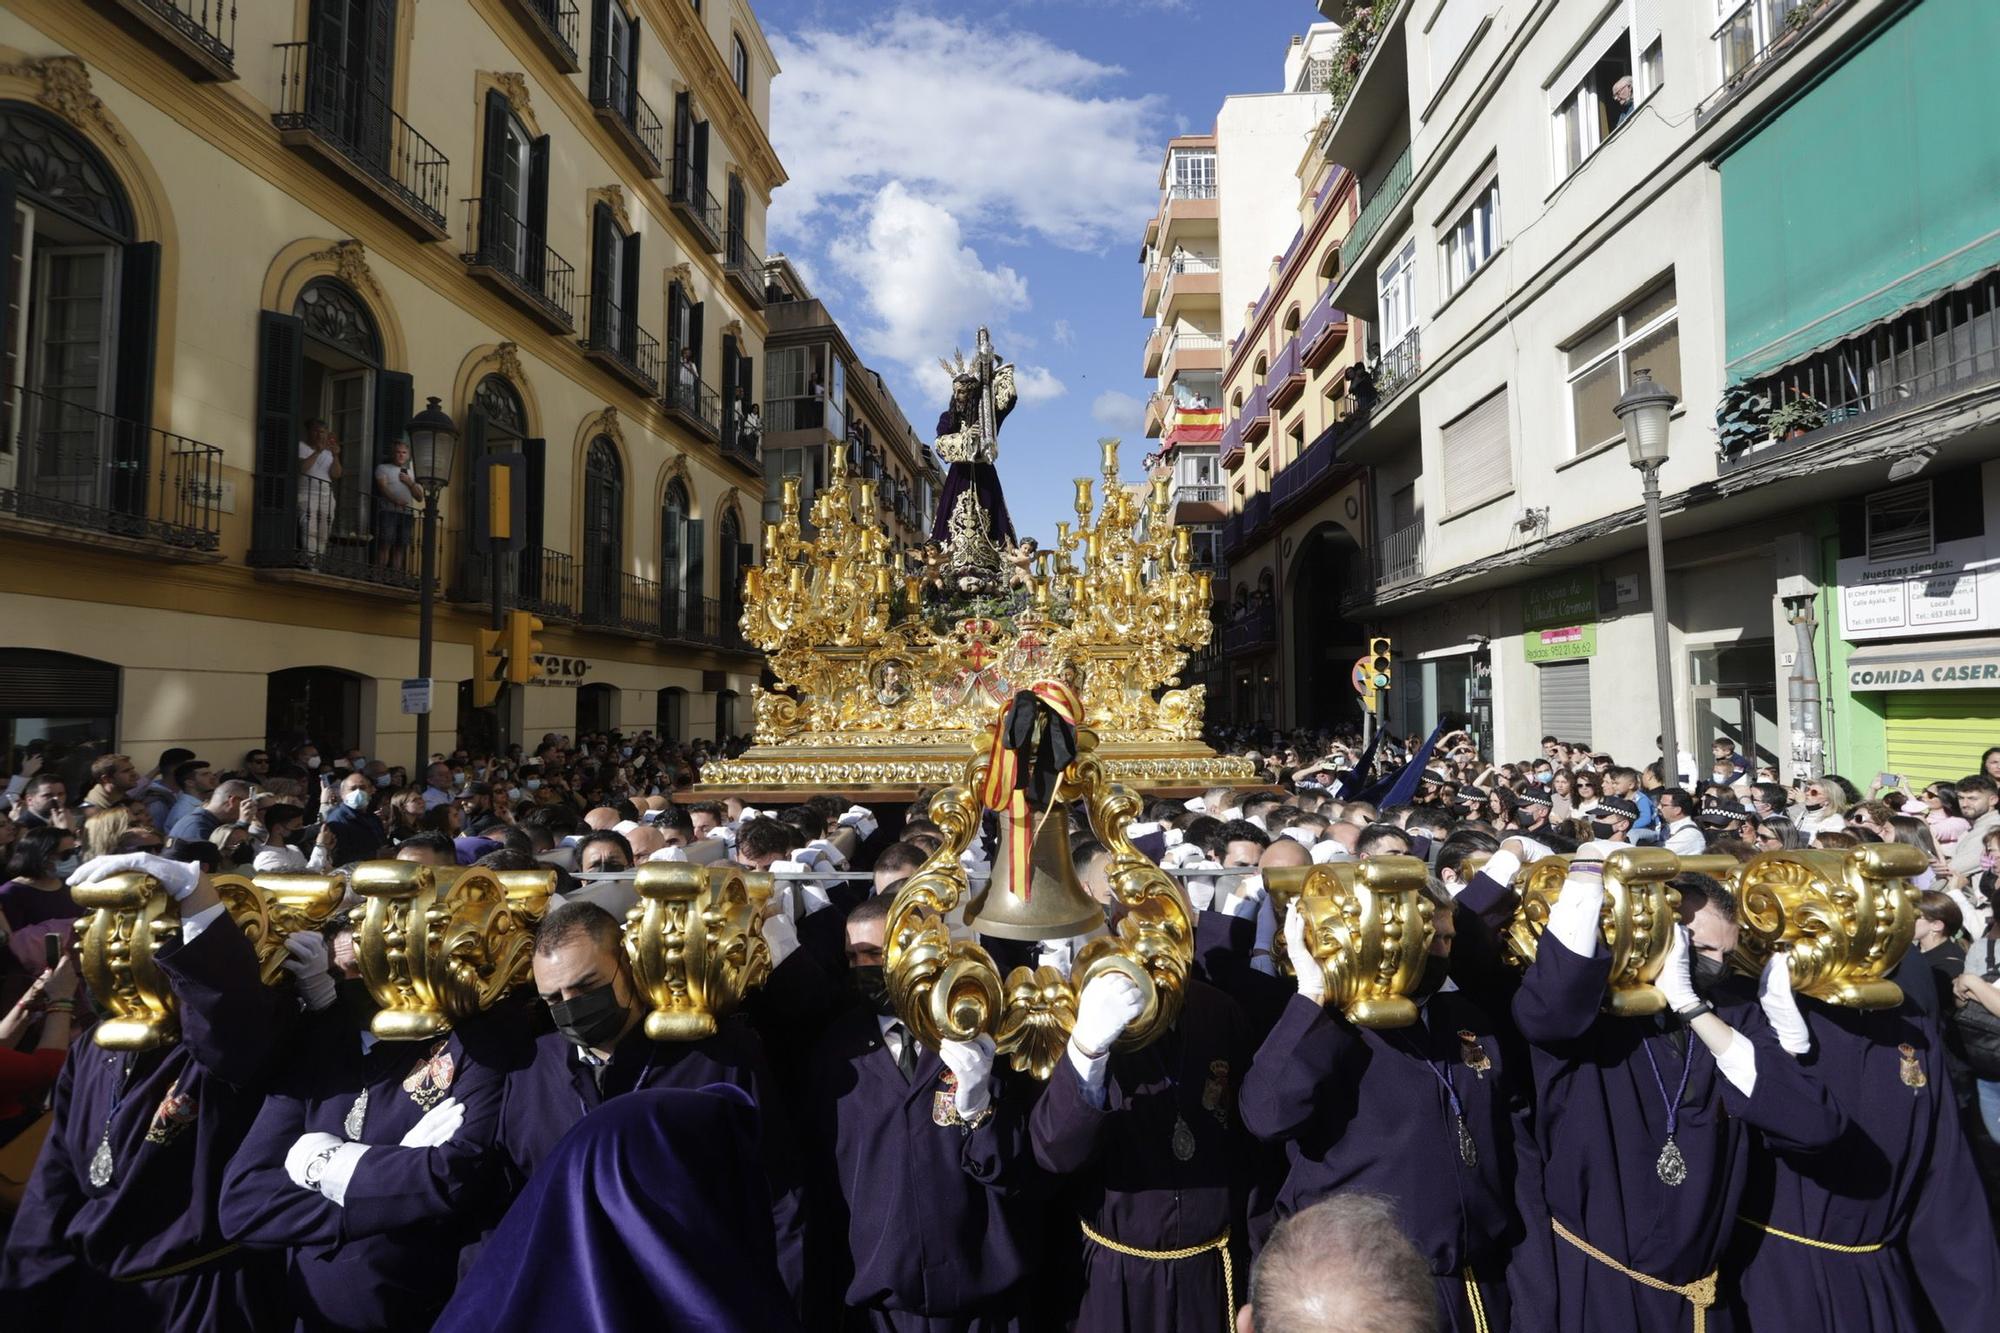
1091 1071
1302 836
1738 1063
972 1101
192 926
1574 919
1501 867
339 1171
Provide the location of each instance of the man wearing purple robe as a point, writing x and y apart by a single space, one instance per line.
920 1160
370 1167
600 1051
121 1224
1420 1115
1887 1228
1643 1126
1155 1161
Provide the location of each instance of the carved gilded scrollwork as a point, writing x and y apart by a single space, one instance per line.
1845 917
1639 906
694 945
1369 925
437 946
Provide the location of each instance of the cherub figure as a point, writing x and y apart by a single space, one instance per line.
1020 560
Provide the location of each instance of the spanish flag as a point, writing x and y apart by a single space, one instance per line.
1194 425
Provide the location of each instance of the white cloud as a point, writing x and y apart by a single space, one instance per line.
1119 412
1065 335
1037 384
999 126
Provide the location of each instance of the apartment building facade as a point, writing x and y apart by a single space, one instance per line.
1554 197
245 248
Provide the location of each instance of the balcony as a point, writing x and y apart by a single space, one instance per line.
1188 210
620 602
80 475
692 402
1399 366
740 449
1149 291
544 583
505 254
688 196
1156 414
1190 281
614 97
1867 381
1196 493
1323 333
1299 482
614 340
1188 352
553 26
743 268
1370 83
1399 557
1758 38
341 529
199 35
326 112
1381 218
1288 377
1257 414
1253 629
629 604
1156 343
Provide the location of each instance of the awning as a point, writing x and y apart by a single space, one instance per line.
1925 664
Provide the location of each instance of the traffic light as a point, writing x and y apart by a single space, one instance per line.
522 645
488 668
1378 663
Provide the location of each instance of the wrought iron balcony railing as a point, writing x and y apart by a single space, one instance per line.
554 25
688 194
504 246
615 97
81 469
206 28
690 397
340 527
615 340
543 582
330 108
744 267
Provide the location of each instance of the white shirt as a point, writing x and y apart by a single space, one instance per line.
390 486
893 1040
318 463
1684 838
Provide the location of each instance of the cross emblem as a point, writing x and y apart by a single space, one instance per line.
979 654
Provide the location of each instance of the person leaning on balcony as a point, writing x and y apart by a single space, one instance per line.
689 375
396 496
319 468
751 430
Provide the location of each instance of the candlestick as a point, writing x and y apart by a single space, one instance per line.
1082 499
1110 449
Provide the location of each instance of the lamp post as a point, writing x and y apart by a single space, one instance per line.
1643 411
433 441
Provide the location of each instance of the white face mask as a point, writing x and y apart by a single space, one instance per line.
312 761
626 752
513 793
384 781
534 784
356 799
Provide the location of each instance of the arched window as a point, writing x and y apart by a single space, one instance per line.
1329 269
1292 323
735 556
83 312
1258 370
496 401
335 316
495 422
680 561
603 532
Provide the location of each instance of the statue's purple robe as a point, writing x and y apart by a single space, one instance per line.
1600 1123
1901 1176
1362 1109
645 1216
982 479
174 1116
556 1089
926 1227
1123 1178
387 1256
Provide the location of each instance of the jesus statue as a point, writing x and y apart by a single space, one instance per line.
968 431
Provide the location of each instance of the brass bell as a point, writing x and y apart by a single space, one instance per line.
1057 906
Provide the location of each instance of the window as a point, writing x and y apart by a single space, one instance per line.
1329 269
1193 176
739 64
1645 334
1474 238
1899 523
603 532
614 286
614 64
1396 289
1595 105
514 194
1478 458
1748 26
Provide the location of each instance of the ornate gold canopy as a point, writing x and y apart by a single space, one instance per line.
886 676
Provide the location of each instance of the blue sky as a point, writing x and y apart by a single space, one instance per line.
953 164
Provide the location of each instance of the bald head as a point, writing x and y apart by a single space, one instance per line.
1284 852
1341 1266
603 817
645 840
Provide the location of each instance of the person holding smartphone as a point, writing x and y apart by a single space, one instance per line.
27 1076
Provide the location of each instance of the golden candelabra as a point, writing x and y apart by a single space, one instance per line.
1369 925
945 985
886 674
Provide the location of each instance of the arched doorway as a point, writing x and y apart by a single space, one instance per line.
725 715
603 532
59 706
596 709
317 704
680 563
735 556
1324 644
671 725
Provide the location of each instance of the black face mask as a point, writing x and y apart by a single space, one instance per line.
1602 828
593 1019
354 1000
1708 975
870 982
1436 969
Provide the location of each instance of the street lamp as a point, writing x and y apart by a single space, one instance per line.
433 441
1644 411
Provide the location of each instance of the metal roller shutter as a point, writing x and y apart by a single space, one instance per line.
1938 735
34 683
1565 689
1478 460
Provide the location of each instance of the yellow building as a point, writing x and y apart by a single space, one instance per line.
247 243
1293 540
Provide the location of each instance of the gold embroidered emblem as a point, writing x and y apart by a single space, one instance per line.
1215 1093
176 1112
431 1079
1913 1070
1473 1053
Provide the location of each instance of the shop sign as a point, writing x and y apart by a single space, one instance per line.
1941 670
416 695
1953 588
561 670
1559 617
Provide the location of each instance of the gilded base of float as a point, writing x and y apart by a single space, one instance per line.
891 769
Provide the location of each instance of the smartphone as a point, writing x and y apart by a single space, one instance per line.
52 949
326 779
1888 780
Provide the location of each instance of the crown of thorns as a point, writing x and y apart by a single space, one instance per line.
958 367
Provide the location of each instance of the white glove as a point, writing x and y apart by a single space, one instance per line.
825 853
307 964
725 834
1674 980
1300 835
302 1152
1328 851
339 1171
1108 1004
971 1063
1312 977
1181 855
1781 1005
1243 895
436 1127
178 878
862 820
1200 892
781 936
1573 919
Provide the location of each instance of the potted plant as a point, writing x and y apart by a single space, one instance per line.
1794 417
